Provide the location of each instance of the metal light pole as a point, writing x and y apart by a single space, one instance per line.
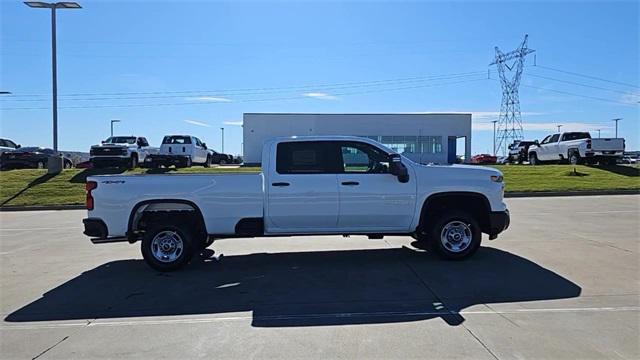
113 121
598 133
494 136
616 120
54 70
222 139
559 126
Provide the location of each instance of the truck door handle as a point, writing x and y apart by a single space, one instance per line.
350 183
280 184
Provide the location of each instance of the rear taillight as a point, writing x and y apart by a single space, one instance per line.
89 187
588 143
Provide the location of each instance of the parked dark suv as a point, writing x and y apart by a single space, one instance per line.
519 150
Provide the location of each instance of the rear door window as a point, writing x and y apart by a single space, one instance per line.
306 157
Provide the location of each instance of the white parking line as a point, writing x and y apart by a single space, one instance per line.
313 316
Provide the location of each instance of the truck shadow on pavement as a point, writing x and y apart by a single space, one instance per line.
304 288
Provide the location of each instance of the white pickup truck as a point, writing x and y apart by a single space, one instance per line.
316 185
576 148
126 151
180 151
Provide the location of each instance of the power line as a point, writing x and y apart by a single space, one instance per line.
299 97
578 95
584 85
587 76
265 89
222 94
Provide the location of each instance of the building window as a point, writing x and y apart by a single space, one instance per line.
411 144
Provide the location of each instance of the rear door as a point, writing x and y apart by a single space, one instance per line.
302 188
372 199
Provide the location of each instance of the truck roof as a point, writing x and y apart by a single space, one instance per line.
327 138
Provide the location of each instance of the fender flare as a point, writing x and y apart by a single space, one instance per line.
169 205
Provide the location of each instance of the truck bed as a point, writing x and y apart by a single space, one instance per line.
223 199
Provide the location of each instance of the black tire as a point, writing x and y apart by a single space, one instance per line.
208 162
152 251
68 165
574 158
533 159
187 162
133 162
223 162
458 223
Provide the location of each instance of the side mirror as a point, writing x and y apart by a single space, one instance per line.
18 146
536 142
397 168
102 142
204 145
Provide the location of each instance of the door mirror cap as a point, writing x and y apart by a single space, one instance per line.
536 142
18 146
204 145
397 168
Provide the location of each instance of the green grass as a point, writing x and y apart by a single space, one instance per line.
556 178
35 187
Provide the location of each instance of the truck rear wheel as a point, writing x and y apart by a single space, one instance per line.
167 247
455 235
133 162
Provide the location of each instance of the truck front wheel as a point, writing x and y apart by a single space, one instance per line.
167 247
133 162
455 235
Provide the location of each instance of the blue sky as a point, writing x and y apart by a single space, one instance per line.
192 67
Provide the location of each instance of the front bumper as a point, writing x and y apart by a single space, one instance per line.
498 222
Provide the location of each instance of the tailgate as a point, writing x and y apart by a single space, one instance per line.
174 149
607 144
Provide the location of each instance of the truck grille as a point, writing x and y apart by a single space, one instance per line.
108 151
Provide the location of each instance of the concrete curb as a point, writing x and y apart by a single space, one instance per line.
41 208
519 194
515 194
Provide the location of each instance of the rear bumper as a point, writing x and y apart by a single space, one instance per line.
167 159
97 230
94 227
604 154
498 222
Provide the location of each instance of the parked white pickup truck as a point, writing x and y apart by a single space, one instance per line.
180 151
308 186
576 148
121 151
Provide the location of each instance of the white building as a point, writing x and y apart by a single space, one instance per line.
424 138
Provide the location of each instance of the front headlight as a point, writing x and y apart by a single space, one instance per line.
497 178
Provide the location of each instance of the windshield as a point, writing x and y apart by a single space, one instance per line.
121 140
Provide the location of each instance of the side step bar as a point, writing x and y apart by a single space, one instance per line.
109 240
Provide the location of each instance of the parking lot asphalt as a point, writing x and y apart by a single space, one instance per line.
562 282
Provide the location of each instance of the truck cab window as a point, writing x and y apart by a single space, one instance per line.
303 157
363 158
554 138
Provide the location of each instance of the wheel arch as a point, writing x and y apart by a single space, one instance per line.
163 206
475 203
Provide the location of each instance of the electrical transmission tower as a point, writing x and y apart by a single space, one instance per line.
510 122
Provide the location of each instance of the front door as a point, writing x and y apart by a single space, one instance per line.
372 199
302 190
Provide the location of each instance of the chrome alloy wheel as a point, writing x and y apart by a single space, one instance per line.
167 246
456 236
